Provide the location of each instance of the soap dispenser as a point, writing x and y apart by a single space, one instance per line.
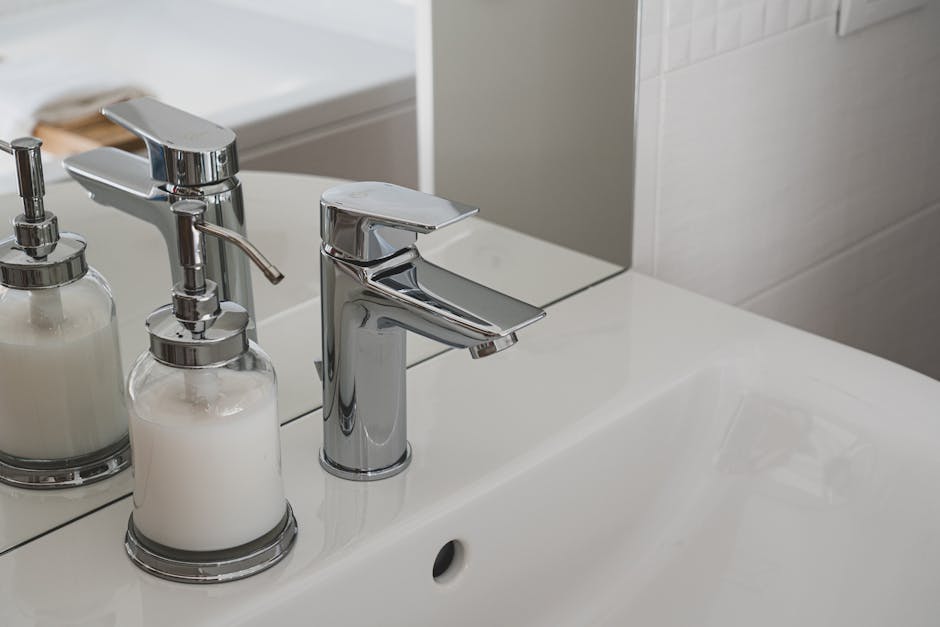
209 502
63 420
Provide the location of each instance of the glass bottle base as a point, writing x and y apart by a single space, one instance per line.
71 472
212 566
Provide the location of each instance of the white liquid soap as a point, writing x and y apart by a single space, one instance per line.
207 466
61 393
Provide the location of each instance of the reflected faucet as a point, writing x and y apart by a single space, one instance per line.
375 286
187 158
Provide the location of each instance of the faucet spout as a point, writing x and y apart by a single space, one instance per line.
417 295
493 346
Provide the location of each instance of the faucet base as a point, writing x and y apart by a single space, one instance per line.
366 475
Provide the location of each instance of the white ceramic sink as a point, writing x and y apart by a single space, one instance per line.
643 456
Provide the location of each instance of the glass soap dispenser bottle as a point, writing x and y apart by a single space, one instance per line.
209 503
63 420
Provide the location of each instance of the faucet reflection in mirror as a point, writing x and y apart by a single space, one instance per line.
187 158
375 286
62 424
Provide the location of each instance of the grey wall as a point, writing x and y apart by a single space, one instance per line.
526 109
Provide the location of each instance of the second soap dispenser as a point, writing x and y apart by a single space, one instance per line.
209 502
63 422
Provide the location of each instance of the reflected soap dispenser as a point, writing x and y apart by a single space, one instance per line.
209 503
63 420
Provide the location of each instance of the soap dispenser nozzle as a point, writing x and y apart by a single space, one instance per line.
215 331
26 152
37 256
36 231
195 298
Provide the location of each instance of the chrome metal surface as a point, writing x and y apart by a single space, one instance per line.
369 475
37 256
50 474
65 264
188 158
370 221
27 153
184 149
232 564
38 238
369 305
197 330
493 346
223 340
271 273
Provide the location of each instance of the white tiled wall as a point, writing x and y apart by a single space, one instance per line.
793 172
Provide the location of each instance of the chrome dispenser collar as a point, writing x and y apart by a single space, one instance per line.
37 256
197 330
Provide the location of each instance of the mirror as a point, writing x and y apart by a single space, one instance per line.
549 158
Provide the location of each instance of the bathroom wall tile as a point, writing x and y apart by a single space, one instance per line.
678 47
764 163
703 39
775 17
767 168
798 12
703 9
752 22
721 26
728 30
823 8
652 27
880 295
679 12
652 17
650 56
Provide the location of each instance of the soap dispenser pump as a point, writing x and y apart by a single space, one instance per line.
209 502
63 419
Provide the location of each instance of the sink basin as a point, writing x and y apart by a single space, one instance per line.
643 456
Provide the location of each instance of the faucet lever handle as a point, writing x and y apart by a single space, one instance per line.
184 149
369 221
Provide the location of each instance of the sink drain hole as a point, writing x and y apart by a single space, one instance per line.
449 562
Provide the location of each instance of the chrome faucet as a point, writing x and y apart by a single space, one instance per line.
187 158
375 286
